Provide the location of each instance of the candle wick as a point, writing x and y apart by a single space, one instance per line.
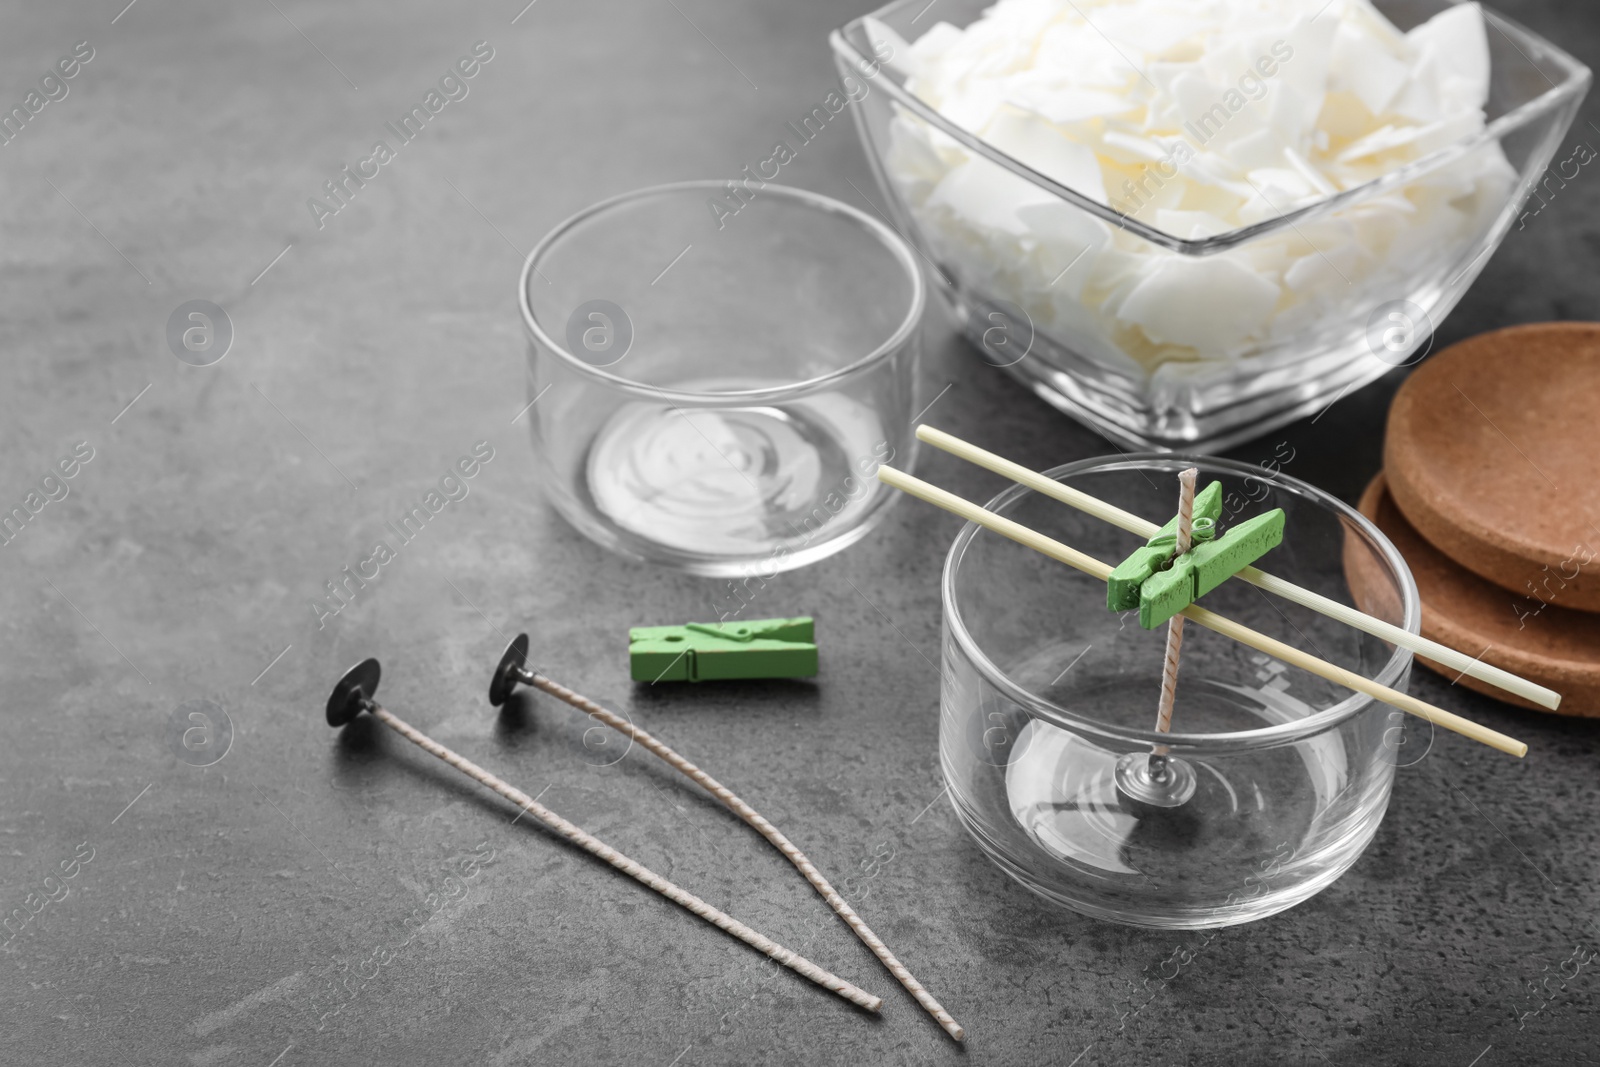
1169 673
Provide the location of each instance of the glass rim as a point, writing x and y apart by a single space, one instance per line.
1208 743
1575 78
891 241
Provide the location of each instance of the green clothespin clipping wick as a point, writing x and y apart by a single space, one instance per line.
1160 586
703 652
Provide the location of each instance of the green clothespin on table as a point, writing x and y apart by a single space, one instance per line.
1160 589
701 651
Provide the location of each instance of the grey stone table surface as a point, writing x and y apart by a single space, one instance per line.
217 914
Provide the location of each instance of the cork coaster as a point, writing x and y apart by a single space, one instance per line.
1493 455
1550 645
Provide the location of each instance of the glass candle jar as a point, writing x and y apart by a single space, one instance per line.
1274 780
716 370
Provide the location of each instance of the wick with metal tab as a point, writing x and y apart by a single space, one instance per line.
353 695
513 670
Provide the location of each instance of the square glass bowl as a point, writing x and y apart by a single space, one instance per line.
1040 298
1048 703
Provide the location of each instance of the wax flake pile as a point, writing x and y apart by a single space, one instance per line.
1197 117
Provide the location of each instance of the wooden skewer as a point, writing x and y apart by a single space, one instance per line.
1048 546
732 802
1386 631
353 695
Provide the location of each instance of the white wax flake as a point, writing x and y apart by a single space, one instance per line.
1090 59
1068 105
1069 241
1281 187
1420 100
1459 46
1135 32
1191 224
1305 71
1135 149
1371 74
1211 304
933 46
1257 149
912 158
1322 270
1197 117
1311 174
1372 25
1033 140
1383 139
975 107
988 196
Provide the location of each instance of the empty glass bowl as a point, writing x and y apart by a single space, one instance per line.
1278 780
716 370
1199 342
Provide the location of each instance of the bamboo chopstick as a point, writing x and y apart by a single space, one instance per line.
1422 646
1048 546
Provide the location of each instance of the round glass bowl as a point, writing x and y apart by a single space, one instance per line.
1275 779
1229 335
718 369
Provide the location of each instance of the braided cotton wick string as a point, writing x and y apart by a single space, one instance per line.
768 831
594 846
1169 674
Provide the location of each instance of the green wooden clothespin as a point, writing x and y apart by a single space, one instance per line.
1122 588
1161 586
701 651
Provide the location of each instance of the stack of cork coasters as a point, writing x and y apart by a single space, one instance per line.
1491 492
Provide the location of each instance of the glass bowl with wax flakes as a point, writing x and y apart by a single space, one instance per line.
1186 222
